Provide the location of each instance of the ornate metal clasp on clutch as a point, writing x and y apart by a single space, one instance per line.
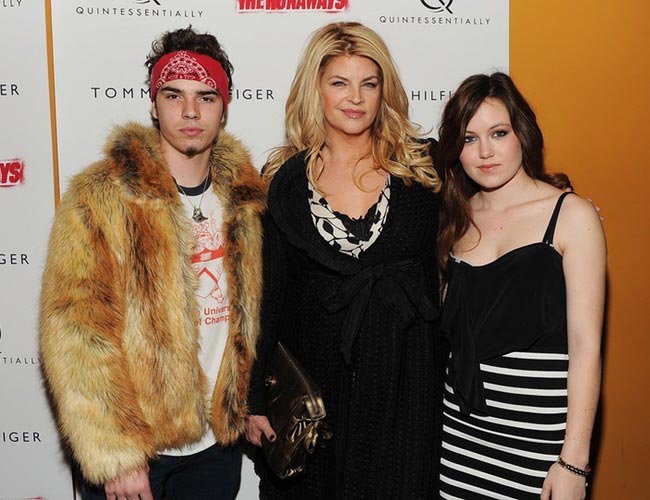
296 411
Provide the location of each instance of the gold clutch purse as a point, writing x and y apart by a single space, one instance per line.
296 411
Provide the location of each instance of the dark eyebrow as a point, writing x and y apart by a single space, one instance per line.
344 78
166 88
201 93
504 124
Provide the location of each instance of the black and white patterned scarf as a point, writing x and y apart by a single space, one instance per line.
348 235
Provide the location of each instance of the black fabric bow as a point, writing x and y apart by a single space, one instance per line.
392 284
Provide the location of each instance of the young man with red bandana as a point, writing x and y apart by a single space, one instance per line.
151 292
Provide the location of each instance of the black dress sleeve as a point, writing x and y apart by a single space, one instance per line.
274 284
433 153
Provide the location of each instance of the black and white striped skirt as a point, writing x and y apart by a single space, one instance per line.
507 454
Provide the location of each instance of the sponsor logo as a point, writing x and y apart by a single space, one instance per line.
8 89
442 15
252 94
28 498
417 95
292 5
146 8
436 21
20 437
143 93
12 172
124 93
10 3
14 259
438 6
12 360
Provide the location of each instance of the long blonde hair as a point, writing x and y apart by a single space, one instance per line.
397 147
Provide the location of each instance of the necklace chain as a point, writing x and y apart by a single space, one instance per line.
197 214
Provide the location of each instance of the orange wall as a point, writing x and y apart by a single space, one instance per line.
585 67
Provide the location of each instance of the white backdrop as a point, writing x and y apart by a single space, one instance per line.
99 47
30 461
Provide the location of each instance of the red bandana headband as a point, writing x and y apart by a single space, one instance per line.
188 65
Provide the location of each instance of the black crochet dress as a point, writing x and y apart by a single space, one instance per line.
378 312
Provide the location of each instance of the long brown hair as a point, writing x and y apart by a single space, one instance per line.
457 187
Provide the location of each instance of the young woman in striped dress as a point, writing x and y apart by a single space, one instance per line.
524 263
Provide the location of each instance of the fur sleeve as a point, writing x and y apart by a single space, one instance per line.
82 318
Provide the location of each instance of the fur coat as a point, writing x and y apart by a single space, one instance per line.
118 319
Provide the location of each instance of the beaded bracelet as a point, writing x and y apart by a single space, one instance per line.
572 468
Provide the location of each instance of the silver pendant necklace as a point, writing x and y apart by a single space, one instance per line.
197 214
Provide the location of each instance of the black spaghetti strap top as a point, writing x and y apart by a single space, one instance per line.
514 303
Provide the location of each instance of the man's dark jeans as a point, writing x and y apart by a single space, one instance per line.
212 474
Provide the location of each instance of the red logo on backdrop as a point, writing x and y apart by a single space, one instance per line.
12 172
292 5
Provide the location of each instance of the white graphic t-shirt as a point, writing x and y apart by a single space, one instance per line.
212 293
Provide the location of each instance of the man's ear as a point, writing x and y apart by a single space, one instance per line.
154 111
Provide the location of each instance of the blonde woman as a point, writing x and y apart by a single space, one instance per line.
351 285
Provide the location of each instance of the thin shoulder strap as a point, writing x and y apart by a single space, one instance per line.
550 230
